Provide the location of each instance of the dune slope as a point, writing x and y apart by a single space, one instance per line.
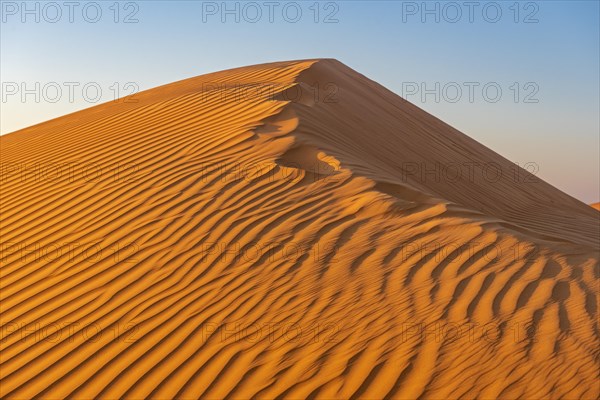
286 230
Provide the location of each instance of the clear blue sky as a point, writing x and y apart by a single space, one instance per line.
550 49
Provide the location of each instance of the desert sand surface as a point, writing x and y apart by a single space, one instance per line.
596 206
287 230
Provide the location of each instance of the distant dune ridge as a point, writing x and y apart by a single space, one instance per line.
288 230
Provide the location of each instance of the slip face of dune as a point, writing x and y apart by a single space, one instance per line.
286 230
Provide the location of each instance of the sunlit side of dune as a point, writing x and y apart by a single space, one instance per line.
288 229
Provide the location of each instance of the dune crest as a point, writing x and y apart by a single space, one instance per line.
288 230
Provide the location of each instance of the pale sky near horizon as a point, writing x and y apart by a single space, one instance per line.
520 77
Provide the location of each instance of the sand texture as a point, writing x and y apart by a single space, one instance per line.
288 230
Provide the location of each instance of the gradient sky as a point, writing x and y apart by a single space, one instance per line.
550 49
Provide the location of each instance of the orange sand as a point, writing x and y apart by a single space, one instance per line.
196 242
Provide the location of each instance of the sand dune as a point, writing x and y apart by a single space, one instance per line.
287 230
596 206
